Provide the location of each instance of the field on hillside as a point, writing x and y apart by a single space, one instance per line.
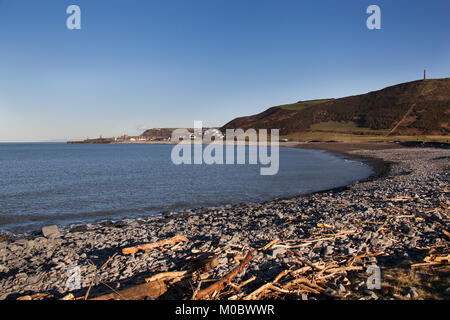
349 137
350 131
344 127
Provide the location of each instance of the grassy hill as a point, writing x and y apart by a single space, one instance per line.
419 108
304 104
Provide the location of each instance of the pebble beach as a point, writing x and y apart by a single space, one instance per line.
398 214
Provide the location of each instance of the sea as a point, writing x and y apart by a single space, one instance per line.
69 184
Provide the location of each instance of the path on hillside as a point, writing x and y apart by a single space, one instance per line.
402 119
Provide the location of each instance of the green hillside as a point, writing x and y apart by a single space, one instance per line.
418 108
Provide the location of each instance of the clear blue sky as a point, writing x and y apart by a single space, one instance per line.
167 63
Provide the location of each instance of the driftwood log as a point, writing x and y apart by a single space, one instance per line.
150 246
204 262
152 289
255 294
164 276
199 265
219 285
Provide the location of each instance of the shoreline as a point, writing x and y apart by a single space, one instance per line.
416 174
343 149
378 166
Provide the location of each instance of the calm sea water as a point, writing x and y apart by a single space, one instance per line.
56 183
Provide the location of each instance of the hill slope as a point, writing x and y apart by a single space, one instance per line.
412 108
